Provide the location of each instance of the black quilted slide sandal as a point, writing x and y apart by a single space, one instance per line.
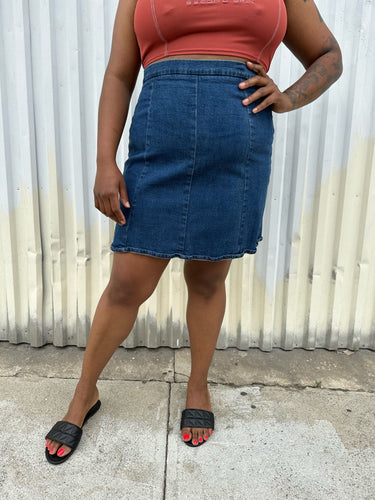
192 417
68 434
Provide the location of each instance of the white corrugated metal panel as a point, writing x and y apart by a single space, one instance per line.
312 282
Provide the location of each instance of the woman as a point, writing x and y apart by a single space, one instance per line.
195 183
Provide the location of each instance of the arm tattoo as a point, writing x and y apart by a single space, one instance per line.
319 76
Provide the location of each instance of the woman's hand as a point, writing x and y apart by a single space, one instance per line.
109 185
269 91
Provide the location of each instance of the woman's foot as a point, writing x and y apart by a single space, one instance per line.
197 397
84 398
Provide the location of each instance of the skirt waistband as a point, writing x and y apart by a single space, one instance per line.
208 67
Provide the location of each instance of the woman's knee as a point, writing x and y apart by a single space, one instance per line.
127 292
205 288
133 279
205 279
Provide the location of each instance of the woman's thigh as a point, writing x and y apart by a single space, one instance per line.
135 276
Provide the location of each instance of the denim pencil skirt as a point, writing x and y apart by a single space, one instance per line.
199 163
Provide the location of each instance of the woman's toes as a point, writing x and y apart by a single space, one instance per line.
186 434
200 435
52 447
61 452
197 435
195 438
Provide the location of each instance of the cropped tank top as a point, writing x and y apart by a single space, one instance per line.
252 29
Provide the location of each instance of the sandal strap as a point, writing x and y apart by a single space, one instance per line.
65 433
192 417
92 411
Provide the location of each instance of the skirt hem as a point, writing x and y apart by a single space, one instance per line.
162 255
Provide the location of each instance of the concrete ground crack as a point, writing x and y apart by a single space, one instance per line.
167 442
32 376
290 386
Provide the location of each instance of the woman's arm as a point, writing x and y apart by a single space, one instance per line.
118 85
310 40
314 45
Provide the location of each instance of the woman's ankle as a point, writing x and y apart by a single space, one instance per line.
86 389
197 382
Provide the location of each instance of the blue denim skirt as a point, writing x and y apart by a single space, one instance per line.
199 163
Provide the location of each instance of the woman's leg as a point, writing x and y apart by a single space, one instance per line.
133 279
205 310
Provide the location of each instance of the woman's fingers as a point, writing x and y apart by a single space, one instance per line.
107 207
267 90
264 104
261 80
260 93
99 204
257 68
124 194
109 185
116 213
110 207
253 81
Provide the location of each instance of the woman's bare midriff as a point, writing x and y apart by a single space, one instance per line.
204 56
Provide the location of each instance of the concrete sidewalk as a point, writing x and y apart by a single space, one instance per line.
288 425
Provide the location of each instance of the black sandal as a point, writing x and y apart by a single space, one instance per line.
191 417
68 434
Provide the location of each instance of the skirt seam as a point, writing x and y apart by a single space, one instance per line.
193 164
145 158
246 182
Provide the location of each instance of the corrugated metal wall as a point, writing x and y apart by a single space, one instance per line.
312 282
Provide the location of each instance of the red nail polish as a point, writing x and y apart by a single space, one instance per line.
200 440
206 437
210 431
186 436
195 441
60 452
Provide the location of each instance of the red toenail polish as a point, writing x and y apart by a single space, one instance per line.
186 436
195 441
60 452
210 431
200 440
206 437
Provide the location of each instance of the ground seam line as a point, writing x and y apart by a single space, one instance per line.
167 442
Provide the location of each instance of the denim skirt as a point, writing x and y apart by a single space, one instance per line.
199 163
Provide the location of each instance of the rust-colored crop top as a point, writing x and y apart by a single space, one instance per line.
252 29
